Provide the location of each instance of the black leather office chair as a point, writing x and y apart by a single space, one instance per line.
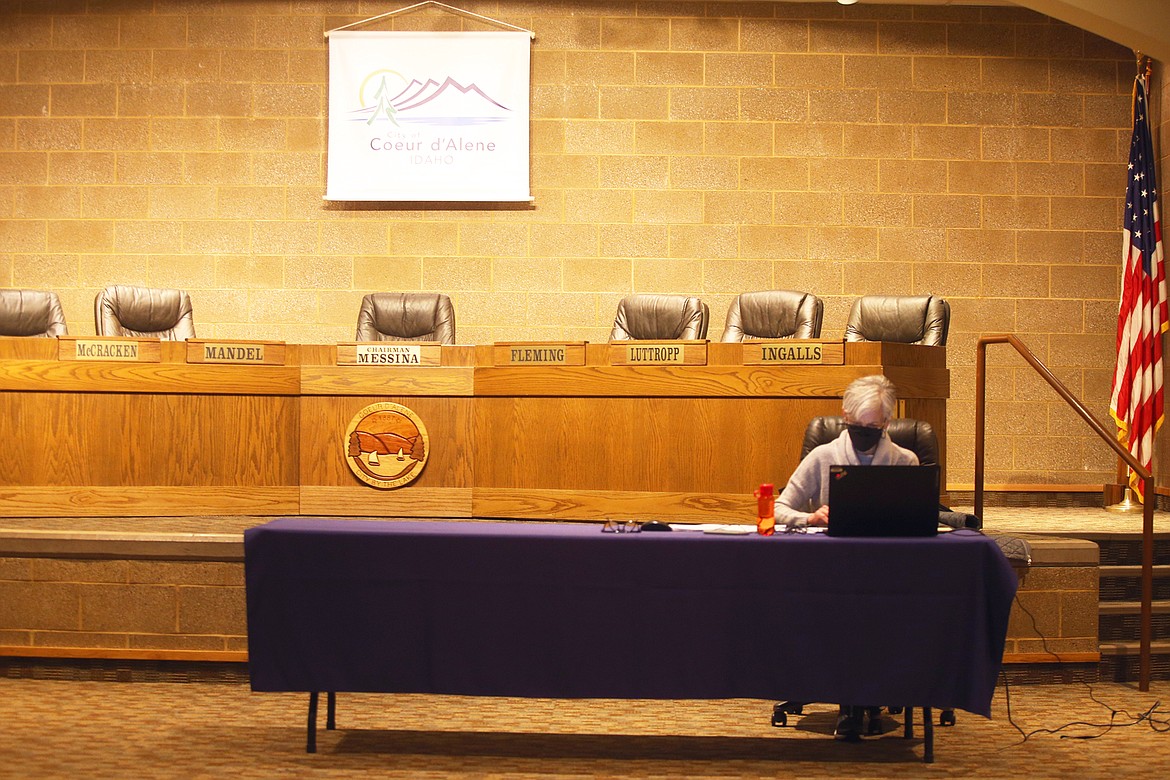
774 314
915 435
406 317
149 312
922 319
654 317
31 313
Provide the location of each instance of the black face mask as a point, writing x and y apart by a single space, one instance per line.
864 438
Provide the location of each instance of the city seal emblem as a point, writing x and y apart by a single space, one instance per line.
386 445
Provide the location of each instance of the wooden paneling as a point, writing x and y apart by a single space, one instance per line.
14 348
399 380
579 442
323 422
125 439
161 439
364 501
612 504
145 501
91 377
39 651
933 411
684 445
630 381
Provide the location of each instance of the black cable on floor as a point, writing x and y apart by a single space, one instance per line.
1159 725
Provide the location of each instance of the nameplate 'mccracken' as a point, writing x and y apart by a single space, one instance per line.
259 353
389 353
538 353
793 352
110 349
658 353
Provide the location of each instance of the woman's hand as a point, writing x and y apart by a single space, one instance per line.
820 517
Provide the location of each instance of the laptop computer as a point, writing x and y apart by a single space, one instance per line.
883 500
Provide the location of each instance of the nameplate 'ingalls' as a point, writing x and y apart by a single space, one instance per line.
792 352
386 445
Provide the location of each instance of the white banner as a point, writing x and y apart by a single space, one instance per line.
428 116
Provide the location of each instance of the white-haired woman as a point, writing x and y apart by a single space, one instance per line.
867 406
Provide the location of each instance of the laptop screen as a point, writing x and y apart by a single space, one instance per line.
883 500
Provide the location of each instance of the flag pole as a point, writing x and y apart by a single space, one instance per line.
1129 502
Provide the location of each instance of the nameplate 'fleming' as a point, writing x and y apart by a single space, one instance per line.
538 353
107 349
266 353
386 445
793 352
389 353
658 353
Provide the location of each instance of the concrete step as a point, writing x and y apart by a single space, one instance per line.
1134 648
1159 607
1159 572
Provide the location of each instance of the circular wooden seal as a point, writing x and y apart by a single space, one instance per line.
386 445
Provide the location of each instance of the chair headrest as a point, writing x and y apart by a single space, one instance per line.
915 435
406 317
660 317
151 312
774 314
922 319
31 313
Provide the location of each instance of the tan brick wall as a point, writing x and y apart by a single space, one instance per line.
134 606
706 148
122 605
1055 611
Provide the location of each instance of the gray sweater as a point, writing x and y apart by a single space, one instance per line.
808 487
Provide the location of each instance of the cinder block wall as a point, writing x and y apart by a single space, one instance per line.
138 608
706 148
195 610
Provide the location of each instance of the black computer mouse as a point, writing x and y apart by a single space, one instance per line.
656 525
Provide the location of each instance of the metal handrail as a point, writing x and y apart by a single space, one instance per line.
1142 472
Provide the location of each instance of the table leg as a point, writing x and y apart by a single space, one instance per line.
928 736
331 710
908 724
311 738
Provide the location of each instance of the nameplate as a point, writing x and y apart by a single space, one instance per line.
792 352
538 353
389 353
108 349
261 353
658 353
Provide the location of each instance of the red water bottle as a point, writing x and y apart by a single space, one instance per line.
765 509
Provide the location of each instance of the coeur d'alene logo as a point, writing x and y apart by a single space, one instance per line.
386 445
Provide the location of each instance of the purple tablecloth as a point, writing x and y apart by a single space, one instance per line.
557 610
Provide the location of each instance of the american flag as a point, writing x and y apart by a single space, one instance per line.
1136 402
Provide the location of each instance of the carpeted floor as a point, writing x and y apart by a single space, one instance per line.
58 729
